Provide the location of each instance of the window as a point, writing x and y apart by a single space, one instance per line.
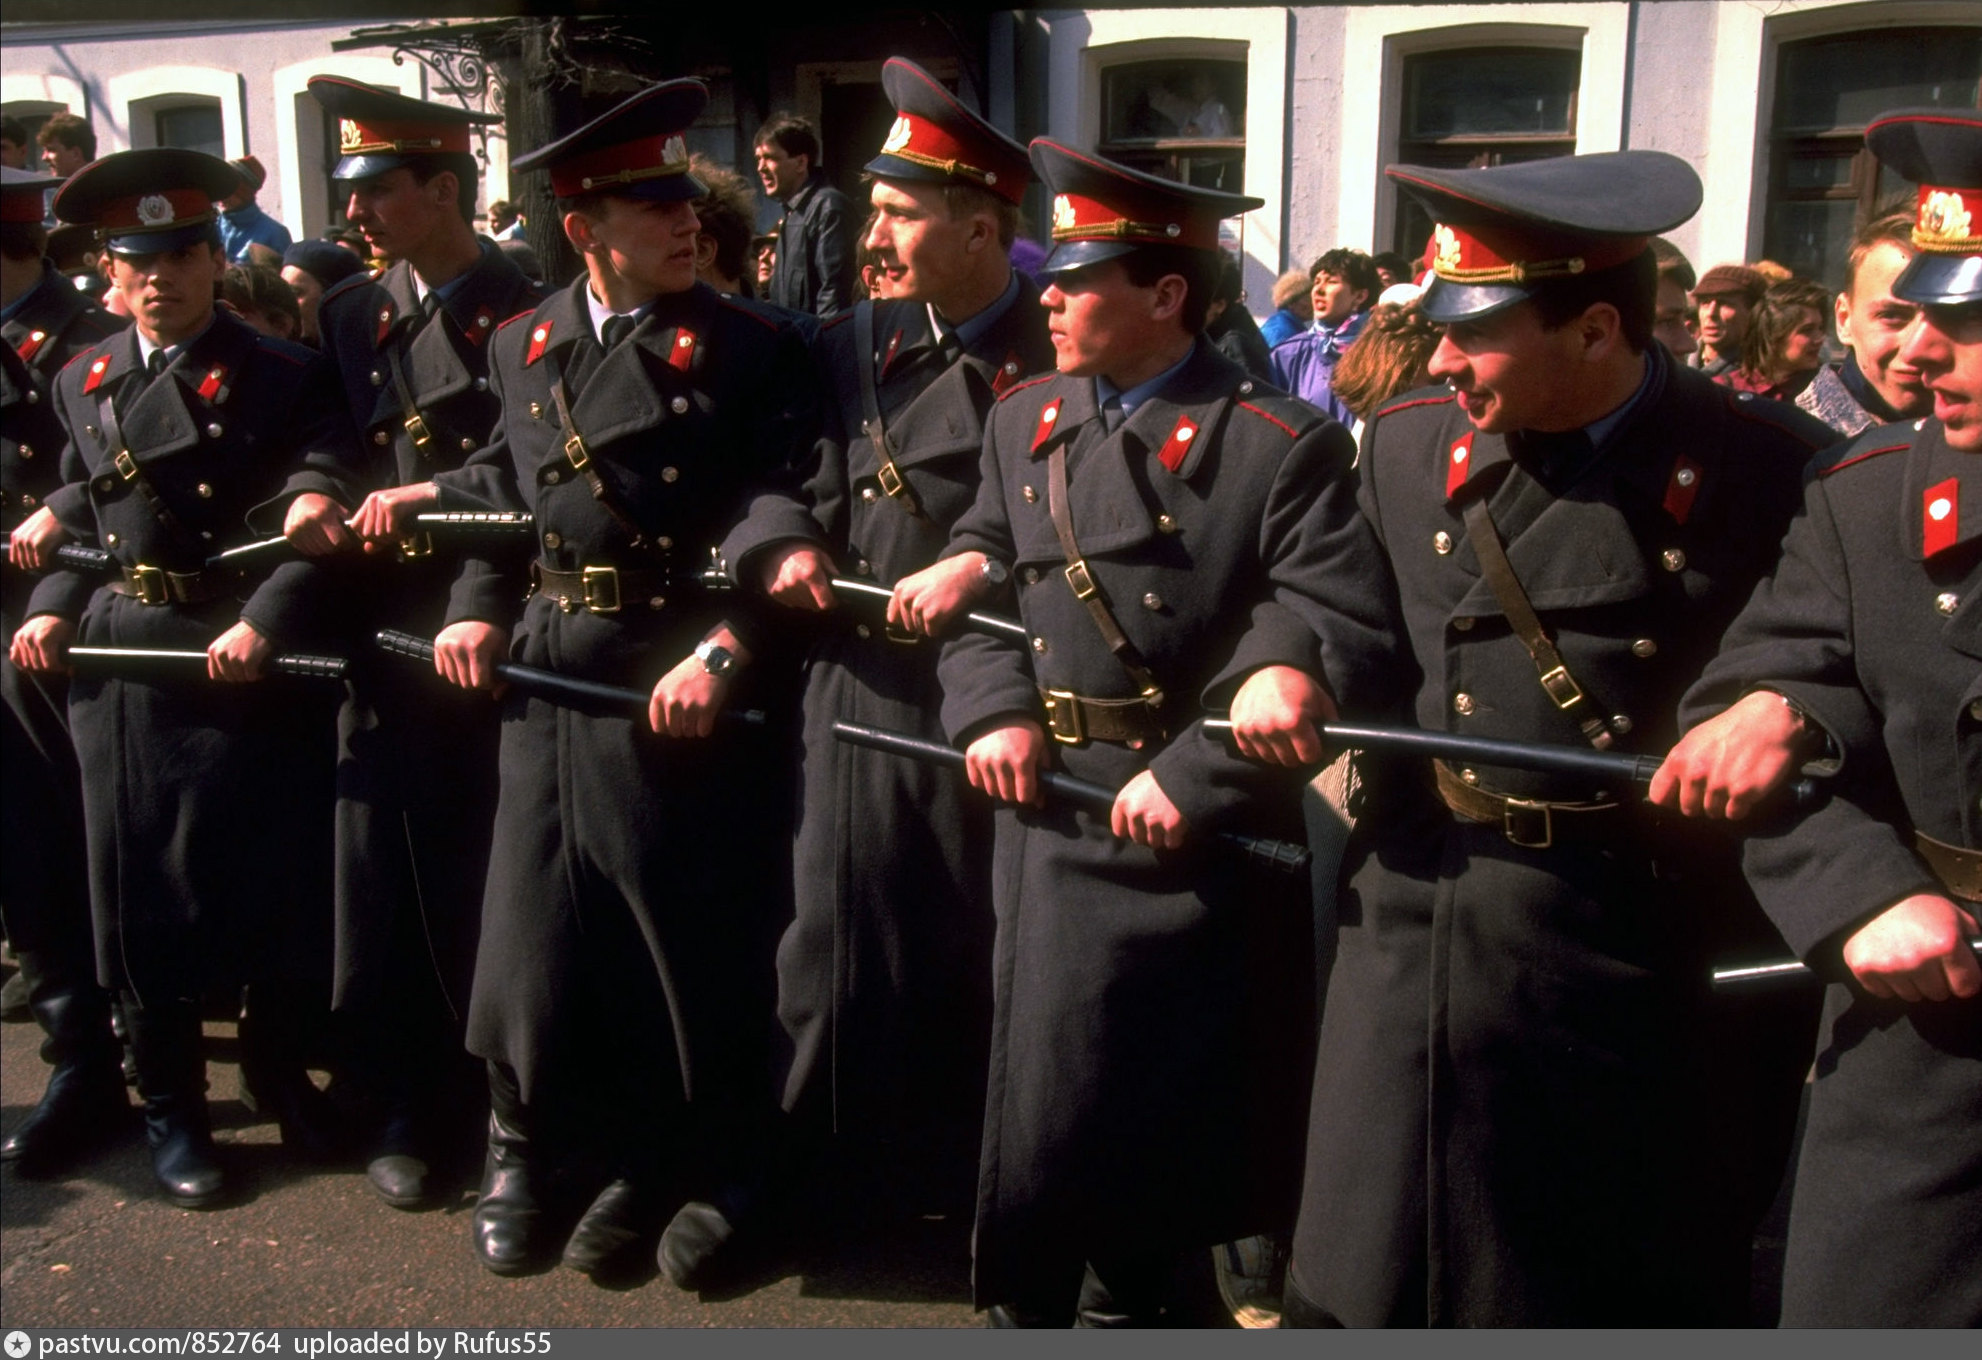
1482 106
1181 118
1823 183
195 127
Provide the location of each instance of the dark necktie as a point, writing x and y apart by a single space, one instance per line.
948 348
1555 460
155 364
1111 414
616 329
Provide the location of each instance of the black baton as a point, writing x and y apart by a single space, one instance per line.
141 662
1283 857
73 555
556 687
1780 970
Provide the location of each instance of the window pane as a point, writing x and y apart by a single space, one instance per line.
195 127
1847 80
1818 172
1484 92
1811 239
1145 100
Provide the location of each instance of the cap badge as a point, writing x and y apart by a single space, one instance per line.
349 138
1063 213
898 135
674 151
1445 242
1943 218
154 210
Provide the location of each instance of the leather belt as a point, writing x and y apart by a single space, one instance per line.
1527 822
606 590
1959 869
155 585
1075 720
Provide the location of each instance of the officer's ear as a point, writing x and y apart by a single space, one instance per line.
579 230
1167 297
444 188
705 250
983 233
1599 330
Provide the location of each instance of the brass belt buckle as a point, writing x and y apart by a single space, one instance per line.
1511 826
890 478
415 546
1562 687
574 451
417 427
602 589
1063 717
127 466
1080 579
151 585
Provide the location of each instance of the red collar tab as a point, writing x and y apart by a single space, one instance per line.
1049 419
1079 218
1178 445
213 387
682 352
1511 252
360 137
888 359
540 336
1680 490
385 324
1940 517
31 346
484 327
96 371
612 167
1009 373
1458 464
1946 224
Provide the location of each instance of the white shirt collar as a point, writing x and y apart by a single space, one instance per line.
602 313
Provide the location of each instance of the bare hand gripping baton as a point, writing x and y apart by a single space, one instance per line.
75 556
558 689
1281 857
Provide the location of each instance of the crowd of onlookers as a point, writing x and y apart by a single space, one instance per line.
1344 333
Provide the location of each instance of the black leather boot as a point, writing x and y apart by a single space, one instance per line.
165 1041
398 1168
508 1215
272 1066
616 1236
84 1103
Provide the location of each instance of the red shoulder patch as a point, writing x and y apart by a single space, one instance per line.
1836 468
540 336
1270 418
1049 419
96 370
1458 464
1016 388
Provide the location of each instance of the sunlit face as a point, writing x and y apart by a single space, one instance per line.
767 263
1803 349
1944 345
1334 299
169 294
1873 323
1724 322
400 216
308 294
1505 369
63 160
781 175
650 245
1669 321
923 252
1100 322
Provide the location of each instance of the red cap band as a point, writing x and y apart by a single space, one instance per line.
355 138
1503 253
1076 218
628 162
162 211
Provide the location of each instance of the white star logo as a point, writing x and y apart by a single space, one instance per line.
18 1344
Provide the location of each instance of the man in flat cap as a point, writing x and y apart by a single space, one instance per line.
1869 635
1725 296
1528 1108
174 430
1161 516
44 885
623 987
884 977
417 763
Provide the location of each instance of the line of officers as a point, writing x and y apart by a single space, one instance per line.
726 977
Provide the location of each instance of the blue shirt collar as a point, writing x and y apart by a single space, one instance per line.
970 329
1141 392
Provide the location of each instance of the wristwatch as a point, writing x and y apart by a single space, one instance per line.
715 658
995 575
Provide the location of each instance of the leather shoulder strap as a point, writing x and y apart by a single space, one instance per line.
892 482
1086 589
580 460
402 387
128 469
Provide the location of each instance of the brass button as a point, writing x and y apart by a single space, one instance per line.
1947 602
1039 645
381 438
1029 494
869 494
28 502
536 410
1644 647
467 446
1441 543
1152 601
1030 576
33 396
553 539
863 568
1462 703
105 485
1464 625
669 474
1012 368
91 431
213 430
864 631
111 539
664 543
1620 723
1686 476
1165 524
205 490
679 406
481 384
1245 389
1469 776
657 602
378 378
1975 709
26 452
1673 559
483 321
552 476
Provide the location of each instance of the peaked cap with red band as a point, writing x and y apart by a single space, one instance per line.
936 140
380 129
147 202
637 150
1102 211
1941 151
21 194
1503 229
